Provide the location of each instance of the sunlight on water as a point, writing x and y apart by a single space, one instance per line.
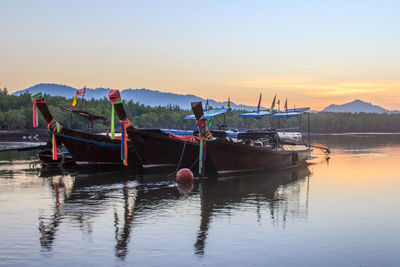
343 211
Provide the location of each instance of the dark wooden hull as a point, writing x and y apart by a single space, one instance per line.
233 157
157 148
89 149
62 160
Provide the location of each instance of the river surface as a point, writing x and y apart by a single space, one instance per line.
344 211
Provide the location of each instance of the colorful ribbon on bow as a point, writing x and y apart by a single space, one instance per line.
125 123
55 128
35 100
205 135
114 101
35 113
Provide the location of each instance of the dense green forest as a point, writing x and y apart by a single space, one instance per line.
16 113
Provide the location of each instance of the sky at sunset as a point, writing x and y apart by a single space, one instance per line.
315 53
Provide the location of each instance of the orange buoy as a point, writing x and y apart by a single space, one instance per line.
184 176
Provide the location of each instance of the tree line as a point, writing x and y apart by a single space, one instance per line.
16 113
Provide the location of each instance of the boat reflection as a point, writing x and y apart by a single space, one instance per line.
83 199
278 190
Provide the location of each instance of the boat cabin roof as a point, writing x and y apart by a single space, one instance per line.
210 113
286 115
257 114
294 112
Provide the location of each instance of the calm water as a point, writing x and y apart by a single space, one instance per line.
341 212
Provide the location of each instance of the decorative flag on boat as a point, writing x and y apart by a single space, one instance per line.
259 104
286 105
81 93
273 104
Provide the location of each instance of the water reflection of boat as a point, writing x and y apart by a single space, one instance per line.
85 198
267 188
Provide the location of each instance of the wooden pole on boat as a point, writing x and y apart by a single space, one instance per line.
224 123
308 126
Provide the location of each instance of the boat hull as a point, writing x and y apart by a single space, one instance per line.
63 159
158 148
88 149
233 157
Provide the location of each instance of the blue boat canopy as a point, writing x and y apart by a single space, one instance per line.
210 113
296 110
286 114
178 132
255 114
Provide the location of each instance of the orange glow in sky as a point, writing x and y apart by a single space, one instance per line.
312 52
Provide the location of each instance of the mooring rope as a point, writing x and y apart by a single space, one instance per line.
180 159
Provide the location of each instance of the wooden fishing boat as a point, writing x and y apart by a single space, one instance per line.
158 148
252 151
248 155
85 148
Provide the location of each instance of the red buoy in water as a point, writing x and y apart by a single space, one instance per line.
184 176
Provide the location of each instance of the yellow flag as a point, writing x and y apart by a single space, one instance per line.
75 98
273 103
229 103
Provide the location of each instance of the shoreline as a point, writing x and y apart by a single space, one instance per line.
28 135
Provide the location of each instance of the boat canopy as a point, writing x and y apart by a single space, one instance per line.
210 113
293 112
255 114
296 110
286 115
83 113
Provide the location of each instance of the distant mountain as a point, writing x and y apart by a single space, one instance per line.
357 106
144 96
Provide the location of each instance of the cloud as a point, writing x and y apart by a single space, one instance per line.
320 88
318 92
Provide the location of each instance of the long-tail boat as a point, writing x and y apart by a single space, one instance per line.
252 151
158 148
86 148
